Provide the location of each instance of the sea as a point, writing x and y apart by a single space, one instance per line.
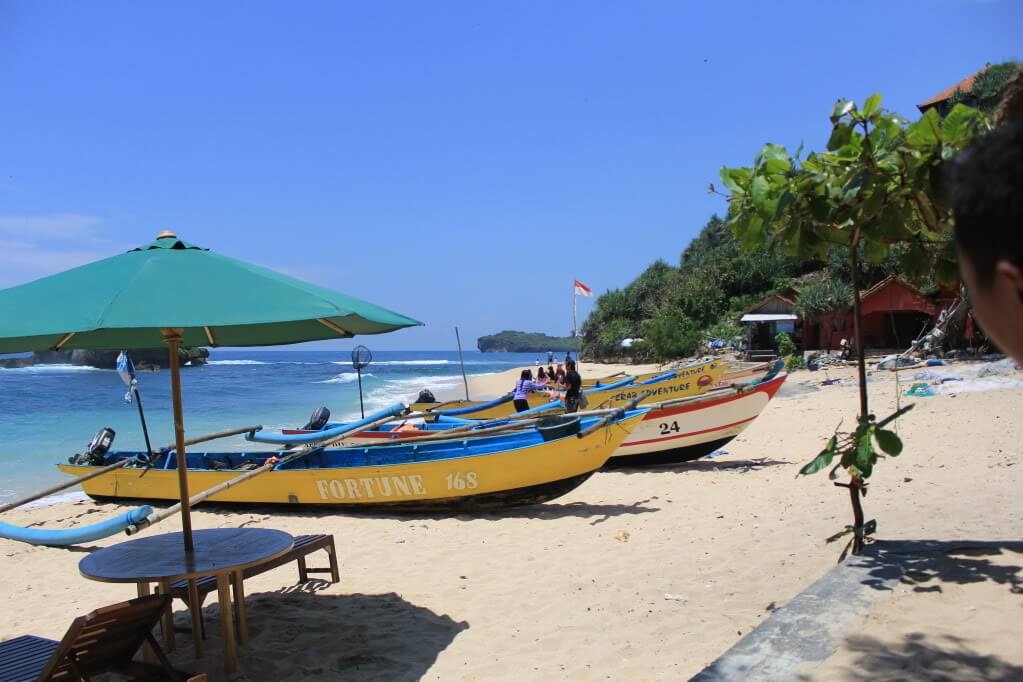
49 413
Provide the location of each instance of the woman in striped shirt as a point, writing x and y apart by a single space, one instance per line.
523 386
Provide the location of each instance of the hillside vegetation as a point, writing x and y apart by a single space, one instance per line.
526 342
673 308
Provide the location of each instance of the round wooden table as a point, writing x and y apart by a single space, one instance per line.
220 552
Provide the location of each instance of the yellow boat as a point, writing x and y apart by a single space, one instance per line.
744 373
683 382
523 467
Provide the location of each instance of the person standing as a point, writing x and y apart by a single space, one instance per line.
523 386
550 357
574 384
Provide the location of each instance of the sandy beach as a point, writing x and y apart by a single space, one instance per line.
638 574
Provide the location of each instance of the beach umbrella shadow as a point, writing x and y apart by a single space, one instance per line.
309 635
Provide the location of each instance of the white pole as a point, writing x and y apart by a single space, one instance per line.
573 310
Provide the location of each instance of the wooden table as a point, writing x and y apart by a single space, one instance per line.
220 552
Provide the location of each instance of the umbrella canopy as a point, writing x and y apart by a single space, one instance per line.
174 293
127 300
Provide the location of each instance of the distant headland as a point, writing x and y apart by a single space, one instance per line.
527 342
144 359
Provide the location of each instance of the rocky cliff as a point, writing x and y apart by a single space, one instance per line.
144 359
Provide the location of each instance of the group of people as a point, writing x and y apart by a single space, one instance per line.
549 380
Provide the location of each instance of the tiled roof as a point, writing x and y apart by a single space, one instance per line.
964 85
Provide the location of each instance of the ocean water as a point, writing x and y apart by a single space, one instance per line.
51 412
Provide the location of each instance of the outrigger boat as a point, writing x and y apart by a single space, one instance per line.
526 466
672 431
736 372
677 383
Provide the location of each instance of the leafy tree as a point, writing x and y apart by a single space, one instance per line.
986 90
823 297
671 335
876 186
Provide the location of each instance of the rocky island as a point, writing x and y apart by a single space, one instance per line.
526 342
144 358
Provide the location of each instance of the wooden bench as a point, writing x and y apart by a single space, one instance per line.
105 640
304 545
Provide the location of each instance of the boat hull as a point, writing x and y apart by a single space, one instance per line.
694 429
522 475
688 381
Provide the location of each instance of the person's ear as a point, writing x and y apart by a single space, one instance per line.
1011 277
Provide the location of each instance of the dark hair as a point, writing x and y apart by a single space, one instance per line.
570 364
540 374
526 374
986 190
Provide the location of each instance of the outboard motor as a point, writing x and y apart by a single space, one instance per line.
319 419
98 446
426 396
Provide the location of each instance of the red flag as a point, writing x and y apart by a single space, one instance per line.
582 289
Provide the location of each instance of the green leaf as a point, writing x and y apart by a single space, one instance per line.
888 441
759 190
865 454
961 125
735 179
875 251
872 105
842 107
777 166
822 460
841 534
926 131
774 152
853 186
840 136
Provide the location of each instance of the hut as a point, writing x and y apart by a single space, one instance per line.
893 313
768 318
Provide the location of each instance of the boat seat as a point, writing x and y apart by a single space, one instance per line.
304 545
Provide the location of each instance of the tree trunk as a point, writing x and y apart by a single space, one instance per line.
856 483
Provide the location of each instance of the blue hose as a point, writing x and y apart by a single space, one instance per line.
474 408
75 536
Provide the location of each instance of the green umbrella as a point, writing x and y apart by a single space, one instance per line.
174 293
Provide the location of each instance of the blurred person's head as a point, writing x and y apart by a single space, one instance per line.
987 199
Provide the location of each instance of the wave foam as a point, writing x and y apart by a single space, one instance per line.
342 378
237 362
56 368
400 362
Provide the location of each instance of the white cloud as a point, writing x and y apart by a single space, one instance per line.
67 225
36 246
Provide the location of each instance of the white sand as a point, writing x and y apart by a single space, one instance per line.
645 575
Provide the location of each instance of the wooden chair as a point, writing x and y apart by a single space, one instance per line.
304 545
105 640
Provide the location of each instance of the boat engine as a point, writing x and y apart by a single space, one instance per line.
319 419
98 446
426 396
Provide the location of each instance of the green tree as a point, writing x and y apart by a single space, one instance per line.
876 186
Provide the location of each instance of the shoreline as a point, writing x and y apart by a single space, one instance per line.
684 560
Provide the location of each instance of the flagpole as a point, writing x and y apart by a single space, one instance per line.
574 295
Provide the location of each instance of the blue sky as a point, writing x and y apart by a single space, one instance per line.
458 162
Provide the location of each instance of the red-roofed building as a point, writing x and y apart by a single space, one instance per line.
893 313
943 99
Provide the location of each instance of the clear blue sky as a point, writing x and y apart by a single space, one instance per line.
457 162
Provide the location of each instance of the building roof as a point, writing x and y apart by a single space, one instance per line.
889 280
754 317
964 85
779 297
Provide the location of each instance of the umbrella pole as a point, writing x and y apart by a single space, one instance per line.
173 339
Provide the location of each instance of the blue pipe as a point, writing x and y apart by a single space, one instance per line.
317 436
663 377
75 536
474 408
607 387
